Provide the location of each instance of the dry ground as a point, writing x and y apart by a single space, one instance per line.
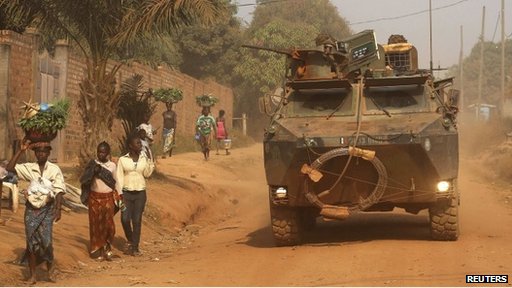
207 224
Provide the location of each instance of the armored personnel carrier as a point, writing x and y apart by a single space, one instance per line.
360 128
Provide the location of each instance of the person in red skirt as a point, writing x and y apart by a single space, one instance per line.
98 185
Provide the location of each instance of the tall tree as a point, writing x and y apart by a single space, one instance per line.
321 14
161 50
212 52
265 70
261 71
135 107
100 28
17 25
280 25
491 84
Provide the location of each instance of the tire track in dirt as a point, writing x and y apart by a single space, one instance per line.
231 243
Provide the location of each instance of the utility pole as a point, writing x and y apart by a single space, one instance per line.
430 23
502 102
461 70
480 74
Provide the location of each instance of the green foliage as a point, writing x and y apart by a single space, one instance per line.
135 107
265 70
162 16
10 23
51 120
212 51
321 14
168 95
154 52
280 25
284 26
261 71
101 30
206 100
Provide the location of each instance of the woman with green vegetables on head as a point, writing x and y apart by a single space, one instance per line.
41 123
44 199
169 96
170 122
205 125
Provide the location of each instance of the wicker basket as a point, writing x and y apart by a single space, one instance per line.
36 136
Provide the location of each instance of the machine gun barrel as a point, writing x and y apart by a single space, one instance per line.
268 49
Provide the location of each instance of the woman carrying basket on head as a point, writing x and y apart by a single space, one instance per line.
205 127
170 119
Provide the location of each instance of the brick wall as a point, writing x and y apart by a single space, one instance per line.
23 70
20 82
187 110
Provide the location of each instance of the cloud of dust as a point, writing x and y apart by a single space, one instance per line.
487 144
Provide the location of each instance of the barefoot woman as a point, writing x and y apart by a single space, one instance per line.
41 212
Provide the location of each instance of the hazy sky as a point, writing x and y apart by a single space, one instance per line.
447 18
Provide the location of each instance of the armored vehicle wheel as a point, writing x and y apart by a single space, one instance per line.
285 225
444 220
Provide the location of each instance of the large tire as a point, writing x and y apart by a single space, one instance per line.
285 225
444 220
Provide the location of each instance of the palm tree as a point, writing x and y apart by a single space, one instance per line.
135 107
104 28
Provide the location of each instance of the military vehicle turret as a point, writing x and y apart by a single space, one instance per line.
360 128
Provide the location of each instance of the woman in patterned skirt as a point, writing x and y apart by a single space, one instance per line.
99 180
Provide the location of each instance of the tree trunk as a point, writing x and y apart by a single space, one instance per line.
97 106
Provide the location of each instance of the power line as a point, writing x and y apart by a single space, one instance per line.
496 27
262 3
407 15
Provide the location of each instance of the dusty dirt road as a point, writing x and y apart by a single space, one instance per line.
231 243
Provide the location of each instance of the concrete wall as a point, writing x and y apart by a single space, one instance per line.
19 72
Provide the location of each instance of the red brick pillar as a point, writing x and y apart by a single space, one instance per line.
5 145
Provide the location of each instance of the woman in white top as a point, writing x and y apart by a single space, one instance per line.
132 169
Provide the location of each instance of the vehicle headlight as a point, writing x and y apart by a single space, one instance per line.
281 192
427 144
443 186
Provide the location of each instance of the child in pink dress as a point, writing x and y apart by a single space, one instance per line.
222 132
